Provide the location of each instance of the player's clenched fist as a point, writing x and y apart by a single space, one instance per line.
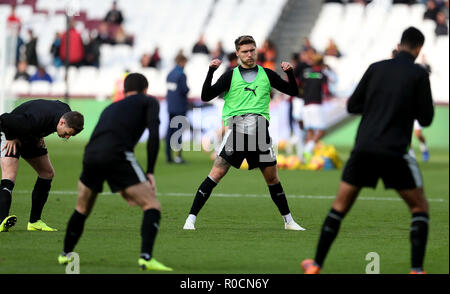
285 66
215 63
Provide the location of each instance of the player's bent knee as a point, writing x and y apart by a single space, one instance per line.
154 204
48 174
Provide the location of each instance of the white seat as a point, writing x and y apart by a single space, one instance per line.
40 88
58 89
20 87
24 12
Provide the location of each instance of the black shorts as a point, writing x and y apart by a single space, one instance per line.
237 146
27 150
120 172
397 172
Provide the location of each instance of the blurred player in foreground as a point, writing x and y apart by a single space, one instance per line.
22 134
390 96
109 157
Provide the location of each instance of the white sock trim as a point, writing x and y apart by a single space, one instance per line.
287 218
191 218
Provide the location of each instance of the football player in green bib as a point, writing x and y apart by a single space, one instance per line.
246 91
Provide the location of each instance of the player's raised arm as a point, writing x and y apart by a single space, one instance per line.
209 91
290 87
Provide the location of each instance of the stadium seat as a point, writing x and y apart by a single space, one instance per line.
58 89
20 87
355 29
24 11
41 88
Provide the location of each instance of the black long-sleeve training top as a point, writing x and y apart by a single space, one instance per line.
121 125
33 120
390 96
210 92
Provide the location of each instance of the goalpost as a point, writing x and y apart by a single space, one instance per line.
8 44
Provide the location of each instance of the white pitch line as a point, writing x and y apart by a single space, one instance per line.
229 195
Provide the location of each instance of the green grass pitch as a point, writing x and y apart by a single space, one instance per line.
238 231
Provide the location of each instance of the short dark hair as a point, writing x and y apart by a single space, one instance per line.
74 120
243 40
180 58
135 82
412 38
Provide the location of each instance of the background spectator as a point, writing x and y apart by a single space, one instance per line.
218 52
76 48
145 60
306 45
177 103
20 47
332 49
155 59
54 50
431 11
30 49
103 34
200 46
41 75
267 55
441 24
304 62
22 73
232 61
92 51
120 37
114 16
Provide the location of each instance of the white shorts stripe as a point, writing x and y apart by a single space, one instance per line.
414 168
137 169
3 142
224 141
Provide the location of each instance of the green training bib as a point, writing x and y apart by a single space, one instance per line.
243 98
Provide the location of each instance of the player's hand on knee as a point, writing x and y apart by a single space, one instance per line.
10 147
41 143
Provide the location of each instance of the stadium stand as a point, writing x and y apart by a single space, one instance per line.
369 33
363 34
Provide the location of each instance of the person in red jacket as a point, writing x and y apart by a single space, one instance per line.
76 48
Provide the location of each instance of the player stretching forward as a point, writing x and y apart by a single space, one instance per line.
382 142
246 112
109 156
22 134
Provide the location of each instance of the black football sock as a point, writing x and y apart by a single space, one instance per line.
74 231
279 198
6 188
329 232
39 198
149 230
418 238
203 193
